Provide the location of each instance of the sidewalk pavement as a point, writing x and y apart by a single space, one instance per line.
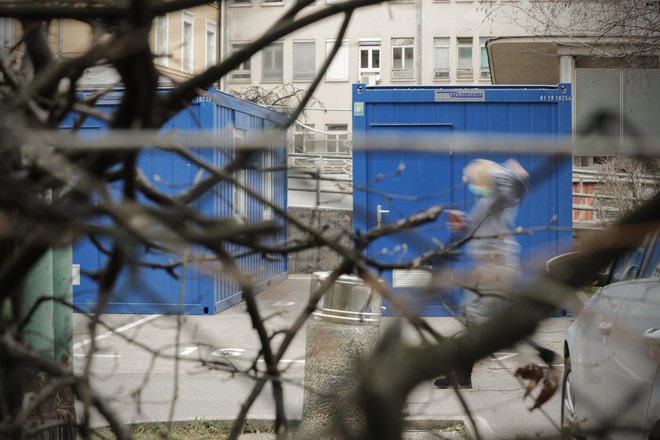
190 390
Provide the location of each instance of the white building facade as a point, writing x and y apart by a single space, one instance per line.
422 42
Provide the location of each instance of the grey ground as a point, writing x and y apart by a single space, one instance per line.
210 392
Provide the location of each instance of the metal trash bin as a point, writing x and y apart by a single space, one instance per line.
344 330
348 301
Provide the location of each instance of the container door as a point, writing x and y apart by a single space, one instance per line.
399 184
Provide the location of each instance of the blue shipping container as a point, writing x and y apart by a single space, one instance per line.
201 287
391 185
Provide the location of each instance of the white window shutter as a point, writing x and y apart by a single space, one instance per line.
338 69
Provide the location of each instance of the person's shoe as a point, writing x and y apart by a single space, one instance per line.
548 356
444 382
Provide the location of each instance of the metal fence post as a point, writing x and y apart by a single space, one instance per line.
318 180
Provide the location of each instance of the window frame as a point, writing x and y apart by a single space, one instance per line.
238 75
240 3
465 73
264 53
187 50
436 69
336 138
404 69
342 55
484 72
370 46
163 59
306 76
211 25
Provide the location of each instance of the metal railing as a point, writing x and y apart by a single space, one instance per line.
310 140
593 206
321 162
321 174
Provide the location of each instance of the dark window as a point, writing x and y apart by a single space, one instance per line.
628 265
653 268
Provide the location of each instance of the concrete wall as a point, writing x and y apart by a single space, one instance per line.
333 223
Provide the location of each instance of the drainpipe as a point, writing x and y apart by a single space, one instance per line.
222 18
418 43
566 68
60 39
567 75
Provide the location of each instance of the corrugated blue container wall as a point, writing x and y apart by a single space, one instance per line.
431 178
200 288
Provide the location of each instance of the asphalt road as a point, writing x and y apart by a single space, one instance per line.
141 385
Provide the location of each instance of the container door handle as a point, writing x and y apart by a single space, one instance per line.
652 339
652 336
605 328
379 214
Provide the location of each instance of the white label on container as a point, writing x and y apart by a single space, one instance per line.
75 275
411 278
460 95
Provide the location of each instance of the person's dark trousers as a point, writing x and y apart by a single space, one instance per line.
459 379
548 356
463 378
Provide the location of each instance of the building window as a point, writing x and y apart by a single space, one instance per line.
338 69
161 39
272 2
243 72
583 161
337 137
187 44
303 141
485 69
403 50
273 62
211 43
240 2
369 53
6 31
464 67
441 58
304 60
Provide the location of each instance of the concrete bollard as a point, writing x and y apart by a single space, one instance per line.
343 330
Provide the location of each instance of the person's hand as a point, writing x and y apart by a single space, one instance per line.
456 220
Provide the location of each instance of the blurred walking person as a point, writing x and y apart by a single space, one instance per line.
493 248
